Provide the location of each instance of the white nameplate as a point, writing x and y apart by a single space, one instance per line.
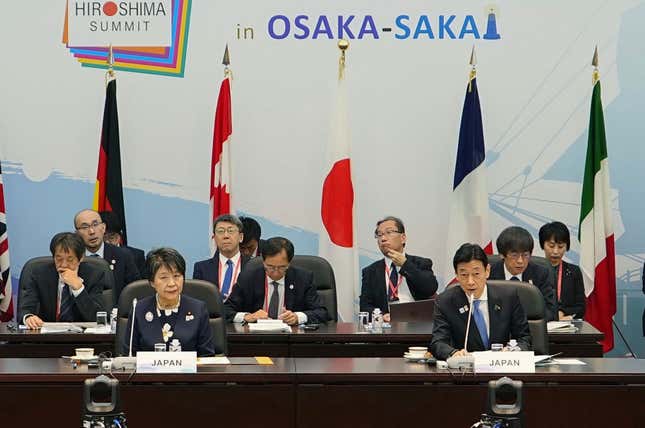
504 362
167 362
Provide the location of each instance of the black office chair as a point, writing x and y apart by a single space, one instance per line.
195 288
533 303
324 279
494 258
37 262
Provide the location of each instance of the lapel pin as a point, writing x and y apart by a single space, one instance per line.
497 308
531 281
149 316
291 287
190 317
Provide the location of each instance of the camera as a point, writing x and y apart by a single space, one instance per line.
504 408
101 404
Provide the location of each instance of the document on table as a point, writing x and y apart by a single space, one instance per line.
60 327
561 327
207 361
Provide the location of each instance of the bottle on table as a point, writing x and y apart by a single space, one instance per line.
377 321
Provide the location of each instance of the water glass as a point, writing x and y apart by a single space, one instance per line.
102 321
363 320
160 347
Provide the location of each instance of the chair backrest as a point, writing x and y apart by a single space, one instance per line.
38 262
533 303
195 288
324 279
494 258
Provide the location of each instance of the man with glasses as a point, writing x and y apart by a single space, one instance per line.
398 277
226 264
276 290
91 229
515 245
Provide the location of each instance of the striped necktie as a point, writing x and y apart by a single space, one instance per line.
65 313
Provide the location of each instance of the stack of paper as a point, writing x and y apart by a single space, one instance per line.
60 327
561 327
269 325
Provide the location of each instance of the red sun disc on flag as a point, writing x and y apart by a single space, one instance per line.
109 8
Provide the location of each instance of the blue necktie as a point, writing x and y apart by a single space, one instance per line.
481 323
394 279
65 313
228 276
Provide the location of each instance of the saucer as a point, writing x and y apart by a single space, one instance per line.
414 359
79 358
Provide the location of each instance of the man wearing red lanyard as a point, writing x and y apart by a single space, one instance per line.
570 289
399 277
226 264
276 290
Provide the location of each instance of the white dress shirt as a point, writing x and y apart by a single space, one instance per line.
302 317
404 291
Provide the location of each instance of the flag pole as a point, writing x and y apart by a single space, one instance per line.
473 71
343 45
109 74
594 62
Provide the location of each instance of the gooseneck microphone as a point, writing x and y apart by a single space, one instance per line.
129 362
471 297
134 312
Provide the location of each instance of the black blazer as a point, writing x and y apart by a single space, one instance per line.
139 257
191 329
248 294
572 293
506 315
40 295
208 270
123 267
418 275
540 276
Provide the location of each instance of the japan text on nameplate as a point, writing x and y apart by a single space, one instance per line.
504 362
167 362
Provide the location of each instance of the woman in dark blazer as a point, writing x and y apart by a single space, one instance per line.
570 289
168 314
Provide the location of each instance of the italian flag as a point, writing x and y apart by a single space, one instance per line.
596 234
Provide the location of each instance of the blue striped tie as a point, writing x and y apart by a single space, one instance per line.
481 324
66 313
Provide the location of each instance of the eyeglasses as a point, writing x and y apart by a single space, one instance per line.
389 233
514 255
221 231
272 268
85 227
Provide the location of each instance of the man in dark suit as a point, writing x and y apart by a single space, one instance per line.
66 290
114 235
515 245
497 314
276 290
399 277
91 229
251 244
569 286
226 264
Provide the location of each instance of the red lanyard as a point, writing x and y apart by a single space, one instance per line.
559 279
235 273
395 290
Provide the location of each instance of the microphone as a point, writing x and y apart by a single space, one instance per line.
471 297
466 361
128 362
629 348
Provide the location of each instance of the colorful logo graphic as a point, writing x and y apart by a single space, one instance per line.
166 61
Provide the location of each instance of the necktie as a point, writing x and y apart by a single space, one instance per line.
514 278
65 312
94 255
481 323
228 277
394 280
274 303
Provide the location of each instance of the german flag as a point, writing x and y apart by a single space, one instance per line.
108 192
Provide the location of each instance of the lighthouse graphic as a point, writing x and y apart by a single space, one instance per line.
491 26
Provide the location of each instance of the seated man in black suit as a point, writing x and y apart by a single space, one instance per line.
276 290
226 264
569 286
497 314
114 236
515 245
66 290
399 277
251 244
91 229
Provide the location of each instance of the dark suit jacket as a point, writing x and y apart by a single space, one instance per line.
507 321
123 267
193 334
418 275
540 276
208 270
248 294
572 293
40 295
139 257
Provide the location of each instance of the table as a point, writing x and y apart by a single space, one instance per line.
31 343
324 392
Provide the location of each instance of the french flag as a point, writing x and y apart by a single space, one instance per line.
469 203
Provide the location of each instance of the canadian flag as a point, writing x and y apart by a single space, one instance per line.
220 189
337 241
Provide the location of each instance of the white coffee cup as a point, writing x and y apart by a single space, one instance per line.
85 352
418 351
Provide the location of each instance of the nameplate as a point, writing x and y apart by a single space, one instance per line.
167 362
504 362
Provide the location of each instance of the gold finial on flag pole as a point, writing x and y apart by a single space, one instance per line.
473 71
109 75
343 45
226 61
594 62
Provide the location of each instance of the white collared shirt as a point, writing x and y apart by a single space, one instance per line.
483 308
404 291
508 275
99 252
59 295
302 317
